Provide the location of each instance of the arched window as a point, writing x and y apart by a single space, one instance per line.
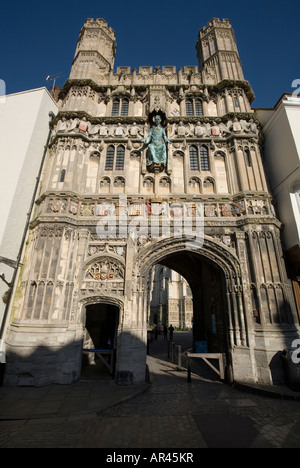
115 107
112 162
204 158
125 106
194 161
247 157
120 158
189 107
120 105
236 102
62 175
193 106
110 156
198 107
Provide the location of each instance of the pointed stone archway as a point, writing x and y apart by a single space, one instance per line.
215 276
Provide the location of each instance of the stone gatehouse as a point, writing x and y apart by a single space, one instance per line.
123 190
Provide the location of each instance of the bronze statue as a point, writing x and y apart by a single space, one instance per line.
157 139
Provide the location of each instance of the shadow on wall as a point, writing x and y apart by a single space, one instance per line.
275 362
44 365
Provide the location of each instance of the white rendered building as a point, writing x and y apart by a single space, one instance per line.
281 128
24 131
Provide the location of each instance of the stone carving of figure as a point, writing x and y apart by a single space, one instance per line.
119 130
245 126
134 130
225 128
253 126
62 125
215 130
103 129
93 129
236 125
181 130
157 139
202 130
73 125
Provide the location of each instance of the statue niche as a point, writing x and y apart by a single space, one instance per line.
157 146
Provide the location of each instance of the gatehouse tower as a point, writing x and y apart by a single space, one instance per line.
123 190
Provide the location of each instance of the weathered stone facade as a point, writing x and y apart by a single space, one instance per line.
105 216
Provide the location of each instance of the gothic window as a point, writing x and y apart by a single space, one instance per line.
236 102
198 107
125 106
62 175
118 104
194 161
189 107
113 163
115 107
110 156
120 158
247 157
194 107
204 158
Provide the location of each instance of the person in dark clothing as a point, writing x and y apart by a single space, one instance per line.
171 330
165 332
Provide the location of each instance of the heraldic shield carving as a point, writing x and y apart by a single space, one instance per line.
105 270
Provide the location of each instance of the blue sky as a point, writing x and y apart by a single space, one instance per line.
39 38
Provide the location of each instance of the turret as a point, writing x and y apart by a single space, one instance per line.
95 52
217 50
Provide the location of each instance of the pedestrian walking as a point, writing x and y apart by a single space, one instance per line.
165 332
171 330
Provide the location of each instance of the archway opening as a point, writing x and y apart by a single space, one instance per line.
198 312
170 299
100 340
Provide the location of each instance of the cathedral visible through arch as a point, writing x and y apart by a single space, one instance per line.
137 161
170 299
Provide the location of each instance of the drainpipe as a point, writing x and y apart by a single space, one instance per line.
17 263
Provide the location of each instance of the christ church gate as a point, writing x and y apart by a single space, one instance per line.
147 167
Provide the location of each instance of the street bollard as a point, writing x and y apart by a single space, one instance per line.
179 355
173 353
189 376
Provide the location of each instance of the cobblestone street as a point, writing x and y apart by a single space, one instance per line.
170 414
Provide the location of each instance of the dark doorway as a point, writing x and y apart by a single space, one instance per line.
99 343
